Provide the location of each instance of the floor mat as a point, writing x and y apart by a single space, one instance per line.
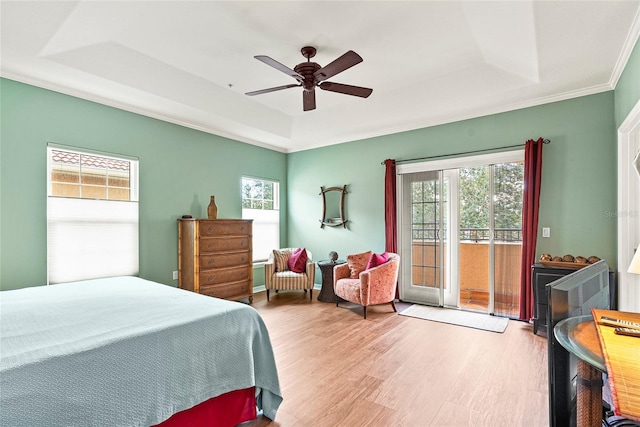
458 317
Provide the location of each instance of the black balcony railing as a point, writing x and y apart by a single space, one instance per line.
423 232
508 234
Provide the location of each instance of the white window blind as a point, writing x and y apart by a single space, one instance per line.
90 235
266 231
87 239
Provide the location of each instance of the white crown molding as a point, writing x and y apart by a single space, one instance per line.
473 115
132 109
625 53
353 137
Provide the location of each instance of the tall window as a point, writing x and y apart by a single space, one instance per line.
261 203
92 215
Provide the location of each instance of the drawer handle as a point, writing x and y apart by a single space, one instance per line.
210 229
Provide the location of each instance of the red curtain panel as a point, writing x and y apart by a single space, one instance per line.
390 229
530 205
391 238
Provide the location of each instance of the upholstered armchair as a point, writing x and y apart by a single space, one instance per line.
356 283
290 269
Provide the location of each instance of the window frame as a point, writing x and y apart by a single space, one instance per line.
134 166
88 227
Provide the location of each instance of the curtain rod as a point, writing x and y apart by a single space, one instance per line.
544 141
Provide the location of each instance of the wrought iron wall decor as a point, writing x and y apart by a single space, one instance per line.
333 206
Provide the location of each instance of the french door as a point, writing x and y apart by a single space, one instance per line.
460 232
425 238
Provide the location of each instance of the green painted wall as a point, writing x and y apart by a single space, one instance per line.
179 169
578 196
627 92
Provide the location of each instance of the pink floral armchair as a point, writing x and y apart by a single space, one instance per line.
355 283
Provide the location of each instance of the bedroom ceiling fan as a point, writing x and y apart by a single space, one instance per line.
311 75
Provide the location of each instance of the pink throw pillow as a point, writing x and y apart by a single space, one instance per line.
298 261
357 263
377 259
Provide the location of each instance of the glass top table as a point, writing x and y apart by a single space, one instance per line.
579 336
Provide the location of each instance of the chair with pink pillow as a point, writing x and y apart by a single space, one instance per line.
367 279
290 269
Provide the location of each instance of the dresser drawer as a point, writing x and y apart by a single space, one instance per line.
229 290
223 275
227 244
224 228
224 260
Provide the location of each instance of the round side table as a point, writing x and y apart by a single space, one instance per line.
326 268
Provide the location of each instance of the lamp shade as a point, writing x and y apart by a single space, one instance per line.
635 263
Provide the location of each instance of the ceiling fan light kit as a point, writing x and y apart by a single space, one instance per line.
311 75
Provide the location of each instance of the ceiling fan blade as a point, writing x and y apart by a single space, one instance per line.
362 92
272 89
280 67
308 100
344 62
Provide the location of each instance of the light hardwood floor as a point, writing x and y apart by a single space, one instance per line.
337 369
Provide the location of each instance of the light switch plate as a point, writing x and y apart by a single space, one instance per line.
546 232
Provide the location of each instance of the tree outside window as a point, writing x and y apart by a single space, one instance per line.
258 194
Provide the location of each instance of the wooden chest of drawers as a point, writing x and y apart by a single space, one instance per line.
215 257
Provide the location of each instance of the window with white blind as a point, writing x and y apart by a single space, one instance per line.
261 203
92 215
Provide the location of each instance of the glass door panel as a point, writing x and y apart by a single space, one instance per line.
507 186
421 236
474 238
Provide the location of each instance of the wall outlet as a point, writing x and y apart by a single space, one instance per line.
175 275
546 232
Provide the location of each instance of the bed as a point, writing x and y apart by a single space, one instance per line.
125 351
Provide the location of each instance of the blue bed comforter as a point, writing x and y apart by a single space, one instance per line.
125 351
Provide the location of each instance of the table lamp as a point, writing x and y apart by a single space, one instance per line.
635 263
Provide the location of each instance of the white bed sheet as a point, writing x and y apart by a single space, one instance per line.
125 351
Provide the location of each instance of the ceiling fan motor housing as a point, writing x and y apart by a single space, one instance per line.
306 70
